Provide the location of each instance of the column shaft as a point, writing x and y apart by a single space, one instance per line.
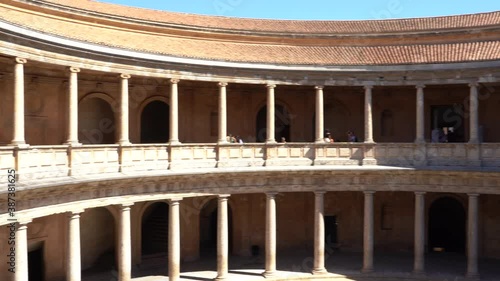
473 236
420 138
222 238
72 138
73 263
125 247
319 234
222 113
18 128
124 135
270 235
270 114
368 233
319 115
174 241
368 114
21 247
473 118
419 259
174 112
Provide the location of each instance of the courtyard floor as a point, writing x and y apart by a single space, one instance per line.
341 266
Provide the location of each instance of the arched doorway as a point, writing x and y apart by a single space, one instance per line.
96 122
36 262
155 229
98 234
155 122
447 225
208 229
281 124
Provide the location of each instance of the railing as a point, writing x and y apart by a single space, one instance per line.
44 162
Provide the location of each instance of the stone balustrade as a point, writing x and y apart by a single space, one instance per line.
39 162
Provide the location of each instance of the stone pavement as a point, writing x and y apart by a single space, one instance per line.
342 267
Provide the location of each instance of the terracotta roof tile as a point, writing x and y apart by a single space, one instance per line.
269 53
285 26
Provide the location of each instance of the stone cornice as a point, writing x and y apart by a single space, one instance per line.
37 202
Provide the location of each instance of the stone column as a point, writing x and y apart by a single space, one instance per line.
420 135
73 107
21 248
368 233
473 237
368 114
222 238
419 259
174 112
222 113
320 127
124 136
174 240
270 235
319 233
473 119
270 114
73 262
125 245
18 128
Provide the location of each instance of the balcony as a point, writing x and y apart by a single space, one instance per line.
36 164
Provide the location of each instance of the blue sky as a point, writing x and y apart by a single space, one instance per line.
319 9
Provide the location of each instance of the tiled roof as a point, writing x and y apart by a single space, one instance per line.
254 52
287 26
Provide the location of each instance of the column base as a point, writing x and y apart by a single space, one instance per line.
19 144
73 143
472 276
420 141
269 274
220 278
319 271
367 270
174 142
419 273
124 142
271 142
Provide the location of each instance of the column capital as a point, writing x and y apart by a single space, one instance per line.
73 69
421 193
368 87
473 84
174 81
369 192
270 86
223 196
126 205
175 200
21 60
75 212
222 84
473 194
125 76
420 86
271 194
319 87
24 221
319 192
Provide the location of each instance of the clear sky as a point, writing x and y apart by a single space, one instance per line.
319 9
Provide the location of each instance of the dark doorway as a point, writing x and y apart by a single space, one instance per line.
451 117
331 240
96 122
208 229
447 225
36 270
155 123
155 229
281 124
